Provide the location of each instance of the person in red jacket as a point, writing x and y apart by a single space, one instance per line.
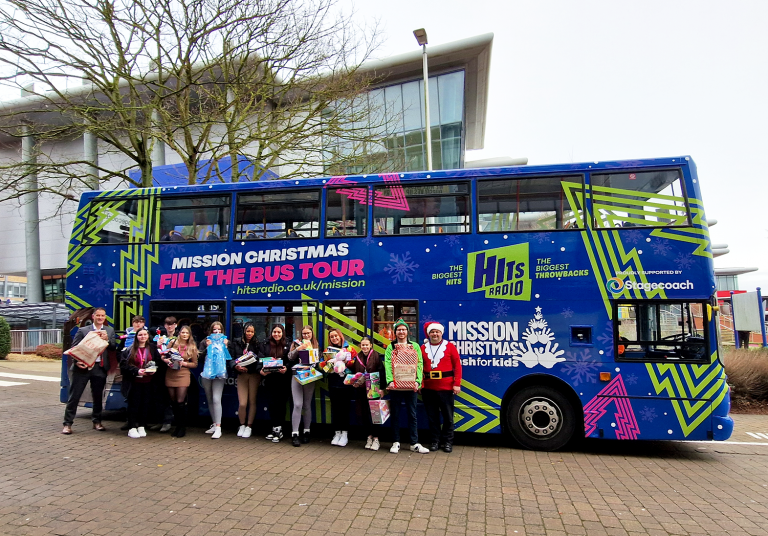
442 380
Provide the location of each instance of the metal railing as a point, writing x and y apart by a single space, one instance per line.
26 341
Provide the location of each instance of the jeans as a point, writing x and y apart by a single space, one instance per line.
439 403
79 378
409 399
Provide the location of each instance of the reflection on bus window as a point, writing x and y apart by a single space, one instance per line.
651 331
194 219
346 212
284 215
386 312
116 222
292 315
424 209
540 204
638 199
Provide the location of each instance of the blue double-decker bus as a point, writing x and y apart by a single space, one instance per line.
580 296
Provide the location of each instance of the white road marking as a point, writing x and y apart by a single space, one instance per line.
758 435
10 384
29 377
719 443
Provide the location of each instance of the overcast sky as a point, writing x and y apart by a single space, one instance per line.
607 80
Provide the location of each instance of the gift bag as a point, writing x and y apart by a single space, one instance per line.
88 349
379 411
405 362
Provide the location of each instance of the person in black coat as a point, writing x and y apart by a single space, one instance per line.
367 361
97 375
277 382
137 365
248 378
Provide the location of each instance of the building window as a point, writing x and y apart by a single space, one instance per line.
397 131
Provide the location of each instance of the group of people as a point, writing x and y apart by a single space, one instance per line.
145 369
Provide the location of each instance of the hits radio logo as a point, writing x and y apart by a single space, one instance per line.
503 273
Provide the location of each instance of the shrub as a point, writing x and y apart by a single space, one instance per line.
5 338
51 351
747 372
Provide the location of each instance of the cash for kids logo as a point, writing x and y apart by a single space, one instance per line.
498 344
503 273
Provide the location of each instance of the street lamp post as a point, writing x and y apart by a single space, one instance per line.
421 38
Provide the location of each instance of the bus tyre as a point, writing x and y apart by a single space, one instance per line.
540 418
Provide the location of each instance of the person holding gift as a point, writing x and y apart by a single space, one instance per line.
341 395
368 361
403 366
248 379
80 374
137 365
302 394
214 374
276 382
442 381
177 380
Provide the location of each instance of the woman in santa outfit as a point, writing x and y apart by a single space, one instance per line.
442 380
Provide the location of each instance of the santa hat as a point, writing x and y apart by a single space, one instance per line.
429 326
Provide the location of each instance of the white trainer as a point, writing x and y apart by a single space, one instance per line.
336 437
369 442
216 433
133 433
375 444
343 440
418 448
395 448
241 430
211 429
142 431
247 432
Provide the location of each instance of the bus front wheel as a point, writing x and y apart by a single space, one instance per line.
540 418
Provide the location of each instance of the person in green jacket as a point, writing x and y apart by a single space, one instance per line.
404 366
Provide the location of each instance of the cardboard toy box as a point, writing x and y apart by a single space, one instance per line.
379 411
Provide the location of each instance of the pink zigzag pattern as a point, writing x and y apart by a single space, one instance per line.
614 392
396 201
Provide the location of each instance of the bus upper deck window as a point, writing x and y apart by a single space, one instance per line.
638 199
345 215
278 215
118 221
530 204
421 209
194 219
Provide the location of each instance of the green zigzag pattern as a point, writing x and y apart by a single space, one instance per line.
695 390
476 410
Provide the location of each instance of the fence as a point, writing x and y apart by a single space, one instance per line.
27 341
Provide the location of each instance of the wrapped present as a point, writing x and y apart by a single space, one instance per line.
88 349
379 411
308 357
308 375
351 379
245 359
405 363
373 385
270 364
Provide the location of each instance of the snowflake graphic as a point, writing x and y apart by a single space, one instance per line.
452 240
581 367
648 414
100 287
543 237
89 257
358 296
285 243
606 339
633 237
426 318
500 309
173 249
661 247
401 268
368 240
684 260
495 377
631 379
567 312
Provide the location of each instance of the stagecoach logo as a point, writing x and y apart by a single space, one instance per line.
503 273
617 286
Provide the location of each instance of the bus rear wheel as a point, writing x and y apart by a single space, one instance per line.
540 418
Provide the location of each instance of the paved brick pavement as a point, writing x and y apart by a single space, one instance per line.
105 483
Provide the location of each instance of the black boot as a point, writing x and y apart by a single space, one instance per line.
180 417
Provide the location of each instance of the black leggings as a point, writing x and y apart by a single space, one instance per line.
138 404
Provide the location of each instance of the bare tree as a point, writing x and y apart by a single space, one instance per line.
274 82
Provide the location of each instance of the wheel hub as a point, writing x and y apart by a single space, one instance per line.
540 418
